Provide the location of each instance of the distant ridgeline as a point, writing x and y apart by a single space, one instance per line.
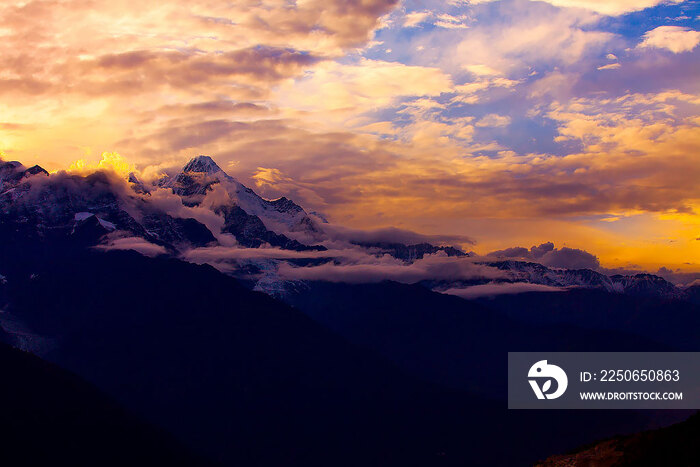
192 213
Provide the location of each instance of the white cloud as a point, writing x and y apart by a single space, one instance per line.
482 70
611 66
496 288
364 85
528 37
452 22
469 2
674 38
438 266
610 7
134 243
413 19
493 120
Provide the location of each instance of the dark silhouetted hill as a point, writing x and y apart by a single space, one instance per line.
52 417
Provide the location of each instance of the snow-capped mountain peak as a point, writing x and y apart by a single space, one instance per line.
202 164
281 216
197 178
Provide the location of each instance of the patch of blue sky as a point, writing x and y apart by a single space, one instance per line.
634 25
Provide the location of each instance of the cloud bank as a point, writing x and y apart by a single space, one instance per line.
548 255
500 288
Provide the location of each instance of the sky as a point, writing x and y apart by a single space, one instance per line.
507 122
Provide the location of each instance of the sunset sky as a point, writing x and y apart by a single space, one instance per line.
506 123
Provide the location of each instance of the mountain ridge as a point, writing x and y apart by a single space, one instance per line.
43 204
234 372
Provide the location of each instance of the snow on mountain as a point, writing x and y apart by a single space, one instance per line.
536 273
647 285
13 174
90 207
203 164
409 253
61 202
137 185
87 208
82 216
281 216
99 209
521 272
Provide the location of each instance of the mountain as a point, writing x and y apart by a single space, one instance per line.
642 285
65 206
674 445
52 417
13 173
247 380
202 206
229 371
368 374
203 165
671 322
409 253
250 218
646 285
448 340
693 293
60 204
